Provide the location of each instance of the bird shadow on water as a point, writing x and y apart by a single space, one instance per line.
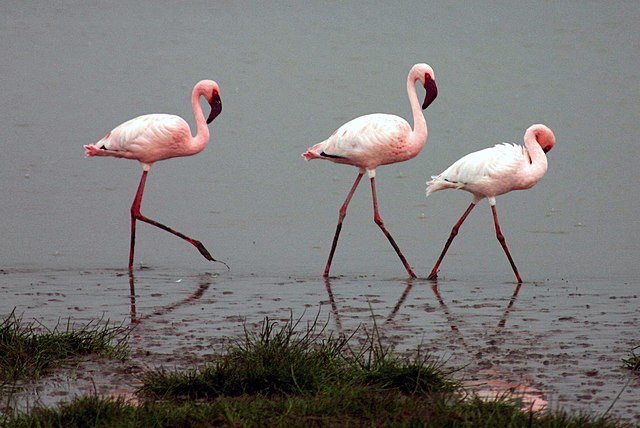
203 285
389 318
403 297
489 381
485 378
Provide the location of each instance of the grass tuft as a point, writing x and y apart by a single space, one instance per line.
27 352
279 360
376 366
275 361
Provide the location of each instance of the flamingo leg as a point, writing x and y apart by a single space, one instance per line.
136 215
135 211
504 243
454 232
378 220
341 216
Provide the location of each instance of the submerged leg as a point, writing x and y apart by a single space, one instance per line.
341 215
454 232
504 243
378 221
136 215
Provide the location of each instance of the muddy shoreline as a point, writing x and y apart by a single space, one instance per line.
560 343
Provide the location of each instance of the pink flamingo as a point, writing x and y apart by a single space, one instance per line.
154 137
378 139
495 171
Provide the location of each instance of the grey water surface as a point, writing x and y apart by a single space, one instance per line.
290 73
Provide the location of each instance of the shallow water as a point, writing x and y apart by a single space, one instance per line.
562 340
290 75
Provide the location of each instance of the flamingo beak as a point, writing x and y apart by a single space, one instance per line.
216 107
431 91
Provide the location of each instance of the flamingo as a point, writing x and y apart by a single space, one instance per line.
378 139
155 137
492 172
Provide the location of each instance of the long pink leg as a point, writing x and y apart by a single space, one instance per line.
454 232
136 215
341 215
504 243
378 220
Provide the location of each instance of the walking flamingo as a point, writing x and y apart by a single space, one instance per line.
154 137
378 139
495 171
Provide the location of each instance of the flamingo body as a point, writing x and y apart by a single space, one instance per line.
368 142
147 139
378 139
154 137
495 171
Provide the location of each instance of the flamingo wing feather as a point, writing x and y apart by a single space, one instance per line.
488 172
367 141
148 138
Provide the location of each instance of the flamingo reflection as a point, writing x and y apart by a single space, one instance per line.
390 317
491 383
203 286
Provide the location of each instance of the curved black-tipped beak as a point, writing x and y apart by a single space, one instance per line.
431 91
216 107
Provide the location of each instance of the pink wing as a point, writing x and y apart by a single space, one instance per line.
148 138
367 141
489 172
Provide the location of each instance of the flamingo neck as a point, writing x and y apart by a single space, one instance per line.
538 164
419 133
201 139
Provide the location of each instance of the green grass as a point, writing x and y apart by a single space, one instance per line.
283 376
29 352
358 408
273 361
287 362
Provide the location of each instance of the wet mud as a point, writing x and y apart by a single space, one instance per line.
553 344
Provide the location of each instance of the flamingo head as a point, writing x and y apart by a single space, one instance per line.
544 136
216 104
428 79
211 92
431 91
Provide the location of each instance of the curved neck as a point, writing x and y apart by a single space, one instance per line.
537 156
201 139
419 133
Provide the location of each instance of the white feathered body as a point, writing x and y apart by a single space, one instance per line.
148 139
368 142
491 172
